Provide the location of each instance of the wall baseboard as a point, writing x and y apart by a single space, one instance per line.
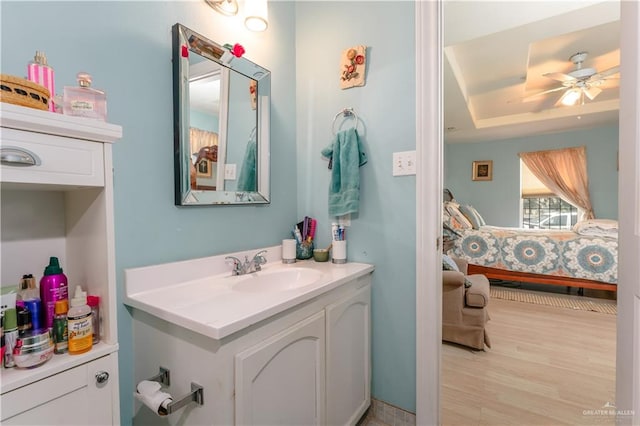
380 413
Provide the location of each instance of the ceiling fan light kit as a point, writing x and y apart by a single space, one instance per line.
578 83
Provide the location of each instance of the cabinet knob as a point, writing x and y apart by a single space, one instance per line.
102 377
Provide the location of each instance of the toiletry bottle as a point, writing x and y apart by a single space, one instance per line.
2 347
53 286
35 308
83 100
60 330
10 336
24 321
41 73
28 289
94 304
79 324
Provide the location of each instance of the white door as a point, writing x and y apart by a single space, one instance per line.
280 381
628 343
348 358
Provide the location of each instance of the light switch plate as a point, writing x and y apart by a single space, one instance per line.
230 171
404 163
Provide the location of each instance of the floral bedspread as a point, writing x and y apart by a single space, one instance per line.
549 252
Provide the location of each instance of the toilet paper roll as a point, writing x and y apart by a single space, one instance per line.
339 251
288 251
148 392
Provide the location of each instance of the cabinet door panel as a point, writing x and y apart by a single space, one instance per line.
281 381
348 355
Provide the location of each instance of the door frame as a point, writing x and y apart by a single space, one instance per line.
429 154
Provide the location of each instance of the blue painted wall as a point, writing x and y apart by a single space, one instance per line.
383 232
126 46
498 201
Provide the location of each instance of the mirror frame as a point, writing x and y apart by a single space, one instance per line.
184 195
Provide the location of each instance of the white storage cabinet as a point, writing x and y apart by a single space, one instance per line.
57 200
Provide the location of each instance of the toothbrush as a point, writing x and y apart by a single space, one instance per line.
297 235
312 230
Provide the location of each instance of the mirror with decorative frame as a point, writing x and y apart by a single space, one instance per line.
221 124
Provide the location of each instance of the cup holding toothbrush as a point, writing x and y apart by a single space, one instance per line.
304 250
339 252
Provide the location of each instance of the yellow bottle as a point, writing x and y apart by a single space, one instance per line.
79 324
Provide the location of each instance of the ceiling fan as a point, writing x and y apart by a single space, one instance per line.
578 83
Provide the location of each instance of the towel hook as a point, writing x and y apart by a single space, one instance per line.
346 112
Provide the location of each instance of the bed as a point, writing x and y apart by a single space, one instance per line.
585 256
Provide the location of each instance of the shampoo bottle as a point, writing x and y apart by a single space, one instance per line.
53 287
79 327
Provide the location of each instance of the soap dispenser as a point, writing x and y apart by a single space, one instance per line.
79 326
83 100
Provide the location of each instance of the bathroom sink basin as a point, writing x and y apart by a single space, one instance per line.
278 280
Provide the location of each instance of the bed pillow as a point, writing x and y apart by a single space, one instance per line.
458 220
473 216
597 227
448 264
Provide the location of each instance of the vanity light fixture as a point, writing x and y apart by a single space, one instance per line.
256 16
226 7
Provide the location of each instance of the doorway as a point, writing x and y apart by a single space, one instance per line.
429 193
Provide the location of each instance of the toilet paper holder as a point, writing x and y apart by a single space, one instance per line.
196 395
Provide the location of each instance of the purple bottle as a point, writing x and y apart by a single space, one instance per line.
53 287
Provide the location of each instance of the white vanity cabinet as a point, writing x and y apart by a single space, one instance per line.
306 365
57 200
283 379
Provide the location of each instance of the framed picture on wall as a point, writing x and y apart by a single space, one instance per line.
204 168
482 170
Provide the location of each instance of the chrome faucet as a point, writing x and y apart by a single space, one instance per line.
248 266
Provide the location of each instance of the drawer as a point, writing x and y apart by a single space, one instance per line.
43 391
56 160
77 391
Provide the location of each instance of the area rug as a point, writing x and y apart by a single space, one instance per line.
558 300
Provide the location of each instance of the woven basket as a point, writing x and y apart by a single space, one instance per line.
19 91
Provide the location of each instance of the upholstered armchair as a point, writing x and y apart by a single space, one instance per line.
465 310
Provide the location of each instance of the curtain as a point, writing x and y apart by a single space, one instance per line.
201 139
563 171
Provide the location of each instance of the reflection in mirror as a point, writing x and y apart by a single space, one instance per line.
221 124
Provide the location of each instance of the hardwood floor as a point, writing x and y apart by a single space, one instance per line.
547 366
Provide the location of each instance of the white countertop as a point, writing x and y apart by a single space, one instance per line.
197 294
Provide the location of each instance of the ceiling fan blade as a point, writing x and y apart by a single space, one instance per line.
605 73
591 92
559 76
535 95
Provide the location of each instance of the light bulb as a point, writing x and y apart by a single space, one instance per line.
571 97
256 15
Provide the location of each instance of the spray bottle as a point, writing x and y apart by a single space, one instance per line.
53 287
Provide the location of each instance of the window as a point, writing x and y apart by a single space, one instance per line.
541 208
